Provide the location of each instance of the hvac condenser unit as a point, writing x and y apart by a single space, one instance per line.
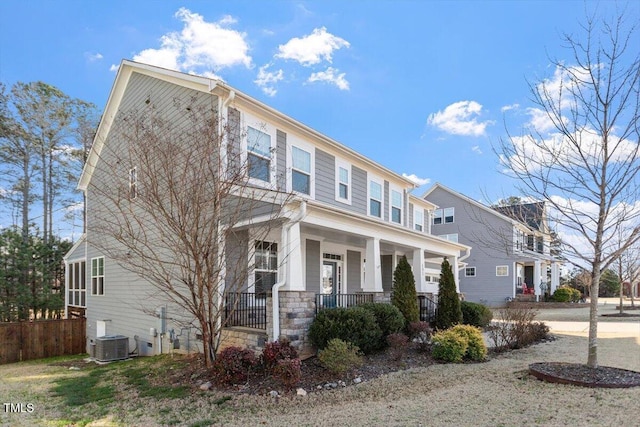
112 347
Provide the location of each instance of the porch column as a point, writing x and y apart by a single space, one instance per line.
418 270
373 267
293 252
555 276
536 277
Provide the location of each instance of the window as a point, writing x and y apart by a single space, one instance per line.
97 276
470 272
396 206
418 218
502 270
301 170
76 283
133 183
450 237
266 267
430 278
343 182
443 216
375 199
258 154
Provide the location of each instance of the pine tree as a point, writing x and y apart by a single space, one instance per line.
404 294
449 310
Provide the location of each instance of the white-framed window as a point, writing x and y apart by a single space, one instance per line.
376 197
258 154
133 183
470 272
300 170
396 206
453 237
77 283
502 270
443 216
343 181
97 276
431 278
265 267
418 218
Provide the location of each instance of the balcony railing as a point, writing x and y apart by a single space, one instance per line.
341 300
245 309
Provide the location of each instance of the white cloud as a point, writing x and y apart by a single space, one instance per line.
539 121
476 149
416 180
313 48
114 68
510 107
460 118
267 80
332 76
93 57
200 47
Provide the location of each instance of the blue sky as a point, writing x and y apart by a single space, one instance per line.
421 87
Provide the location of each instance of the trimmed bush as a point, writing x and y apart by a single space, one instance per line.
566 294
475 314
340 356
288 372
233 364
449 346
388 317
449 312
404 294
354 324
515 328
275 351
476 348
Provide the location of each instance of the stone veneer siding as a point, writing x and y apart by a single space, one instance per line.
253 339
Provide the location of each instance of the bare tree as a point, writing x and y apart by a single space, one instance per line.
586 168
171 201
628 264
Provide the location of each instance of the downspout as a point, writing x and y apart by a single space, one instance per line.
283 280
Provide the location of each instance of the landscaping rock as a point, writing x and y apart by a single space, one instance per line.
206 386
301 392
357 380
273 393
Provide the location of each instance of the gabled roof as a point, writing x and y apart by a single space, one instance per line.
531 214
217 87
479 205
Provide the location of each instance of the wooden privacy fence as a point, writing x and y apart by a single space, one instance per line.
43 338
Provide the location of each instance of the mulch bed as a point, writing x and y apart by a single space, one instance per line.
585 376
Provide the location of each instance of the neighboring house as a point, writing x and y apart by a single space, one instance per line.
354 219
512 253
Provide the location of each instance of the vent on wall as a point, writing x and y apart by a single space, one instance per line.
112 347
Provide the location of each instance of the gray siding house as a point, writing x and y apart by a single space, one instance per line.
511 246
346 223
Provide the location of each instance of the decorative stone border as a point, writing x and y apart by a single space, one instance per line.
584 376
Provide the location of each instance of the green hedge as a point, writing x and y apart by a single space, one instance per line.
475 314
355 325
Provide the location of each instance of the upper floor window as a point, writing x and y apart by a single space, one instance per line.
133 183
375 199
443 216
258 154
97 276
450 237
418 218
470 272
396 206
343 182
300 170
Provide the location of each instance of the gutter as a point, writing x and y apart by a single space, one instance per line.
275 299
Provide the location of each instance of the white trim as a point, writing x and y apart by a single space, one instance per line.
339 163
380 182
502 266
97 276
475 272
417 209
294 141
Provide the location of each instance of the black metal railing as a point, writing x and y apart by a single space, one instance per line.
341 300
245 309
428 309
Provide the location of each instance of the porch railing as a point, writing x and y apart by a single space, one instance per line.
245 309
428 308
341 300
